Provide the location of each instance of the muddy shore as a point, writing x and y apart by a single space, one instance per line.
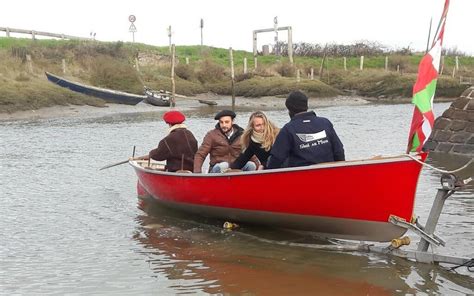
190 103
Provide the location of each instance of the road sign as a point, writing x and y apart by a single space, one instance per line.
132 18
132 28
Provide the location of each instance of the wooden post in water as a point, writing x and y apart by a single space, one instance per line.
312 74
30 64
361 63
173 84
386 63
232 76
245 65
64 66
345 64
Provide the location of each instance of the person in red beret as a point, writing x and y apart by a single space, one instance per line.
178 147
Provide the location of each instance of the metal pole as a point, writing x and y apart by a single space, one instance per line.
173 84
433 218
232 77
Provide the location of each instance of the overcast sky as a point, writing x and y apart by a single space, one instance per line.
394 23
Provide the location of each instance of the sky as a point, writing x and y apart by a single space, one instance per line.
393 23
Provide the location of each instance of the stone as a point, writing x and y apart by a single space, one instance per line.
460 114
468 93
444 147
470 116
442 136
470 106
448 113
460 103
441 123
460 137
464 149
469 127
471 140
457 125
430 145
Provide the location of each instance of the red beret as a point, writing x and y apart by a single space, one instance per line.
173 117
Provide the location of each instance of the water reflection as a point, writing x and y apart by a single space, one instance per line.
200 256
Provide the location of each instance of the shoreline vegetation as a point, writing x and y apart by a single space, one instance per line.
204 72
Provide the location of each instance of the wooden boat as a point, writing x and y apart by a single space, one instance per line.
109 95
157 98
350 200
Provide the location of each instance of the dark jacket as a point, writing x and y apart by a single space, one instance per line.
307 139
253 149
178 149
219 147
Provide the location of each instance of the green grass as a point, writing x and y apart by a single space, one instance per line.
112 65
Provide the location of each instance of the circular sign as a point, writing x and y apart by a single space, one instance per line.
132 18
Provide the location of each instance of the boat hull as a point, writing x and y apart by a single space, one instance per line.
351 200
108 95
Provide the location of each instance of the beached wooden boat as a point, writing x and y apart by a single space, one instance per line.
157 98
350 200
108 95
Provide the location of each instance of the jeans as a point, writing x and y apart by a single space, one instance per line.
222 166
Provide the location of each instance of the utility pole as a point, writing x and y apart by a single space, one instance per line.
169 36
202 26
275 28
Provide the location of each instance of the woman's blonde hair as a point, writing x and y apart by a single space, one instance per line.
270 132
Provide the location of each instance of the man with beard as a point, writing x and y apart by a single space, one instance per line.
222 144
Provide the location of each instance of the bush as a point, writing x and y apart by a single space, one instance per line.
286 70
210 72
185 72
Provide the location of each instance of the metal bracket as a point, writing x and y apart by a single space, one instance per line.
432 239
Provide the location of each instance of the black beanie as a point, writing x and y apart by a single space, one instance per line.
297 102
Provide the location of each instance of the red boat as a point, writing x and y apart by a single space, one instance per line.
350 200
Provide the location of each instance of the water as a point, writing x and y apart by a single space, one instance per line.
66 227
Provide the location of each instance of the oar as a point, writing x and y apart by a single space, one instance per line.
122 162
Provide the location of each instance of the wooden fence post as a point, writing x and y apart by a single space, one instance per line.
245 65
345 64
386 63
255 62
361 63
442 65
187 60
312 74
30 64
298 78
173 84
64 66
457 63
232 76
136 65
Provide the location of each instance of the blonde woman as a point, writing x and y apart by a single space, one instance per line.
257 139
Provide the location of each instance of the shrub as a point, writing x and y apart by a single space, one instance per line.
210 72
185 72
286 70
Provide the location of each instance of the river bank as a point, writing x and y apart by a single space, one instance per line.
186 104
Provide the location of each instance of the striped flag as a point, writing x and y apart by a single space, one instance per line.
424 90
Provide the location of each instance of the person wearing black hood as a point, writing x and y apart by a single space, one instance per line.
222 144
307 139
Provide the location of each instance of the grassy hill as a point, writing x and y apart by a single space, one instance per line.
23 85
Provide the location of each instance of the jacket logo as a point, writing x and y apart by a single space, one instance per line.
312 137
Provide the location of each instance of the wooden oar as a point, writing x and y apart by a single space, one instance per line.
122 162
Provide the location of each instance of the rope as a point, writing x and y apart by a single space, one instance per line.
468 264
440 170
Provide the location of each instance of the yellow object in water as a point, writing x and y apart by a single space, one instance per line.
230 225
398 242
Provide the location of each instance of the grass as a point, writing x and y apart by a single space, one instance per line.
113 65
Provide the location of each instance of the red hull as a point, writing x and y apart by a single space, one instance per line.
344 199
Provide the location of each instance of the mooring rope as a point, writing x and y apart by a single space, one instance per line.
440 170
468 264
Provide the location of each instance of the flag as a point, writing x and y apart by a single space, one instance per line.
424 90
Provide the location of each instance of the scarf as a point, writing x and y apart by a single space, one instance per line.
257 137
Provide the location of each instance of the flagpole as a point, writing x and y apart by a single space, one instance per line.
429 35
441 19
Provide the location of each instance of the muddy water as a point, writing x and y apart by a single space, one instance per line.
66 227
